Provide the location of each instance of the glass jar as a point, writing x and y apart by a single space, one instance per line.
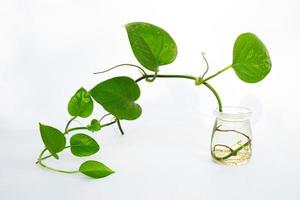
231 136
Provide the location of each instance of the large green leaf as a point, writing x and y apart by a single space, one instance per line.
95 169
118 96
53 139
251 60
151 45
83 145
81 104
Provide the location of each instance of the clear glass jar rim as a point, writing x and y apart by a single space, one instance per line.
233 112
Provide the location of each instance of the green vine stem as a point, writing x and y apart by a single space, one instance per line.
119 126
216 95
216 74
41 158
191 78
75 129
68 124
108 124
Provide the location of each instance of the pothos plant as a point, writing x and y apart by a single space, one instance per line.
153 47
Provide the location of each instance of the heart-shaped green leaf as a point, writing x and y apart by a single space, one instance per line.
94 126
251 60
53 139
83 145
118 96
95 169
81 104
151 45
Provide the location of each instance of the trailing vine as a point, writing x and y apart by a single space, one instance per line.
153 47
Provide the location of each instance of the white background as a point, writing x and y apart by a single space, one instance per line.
48 49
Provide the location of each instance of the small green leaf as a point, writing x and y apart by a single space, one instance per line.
151 45
95 169
94 126
81 104
83 145
118 96
251 60
53 139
